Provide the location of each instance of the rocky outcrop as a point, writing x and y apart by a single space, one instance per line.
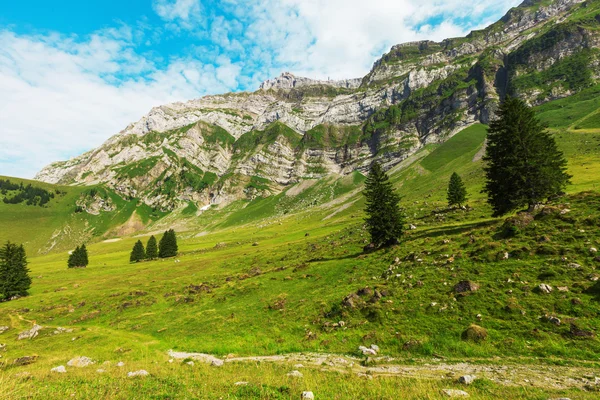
221 148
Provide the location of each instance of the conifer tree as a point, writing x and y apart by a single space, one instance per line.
523 164
14 274
72 262
151 249
138 253
457 192
84 256
167 247
384 217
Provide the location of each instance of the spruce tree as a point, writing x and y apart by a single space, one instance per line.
84 256
457 192
523 164
151 249
384 217
14 274
167 247
72 262
138 253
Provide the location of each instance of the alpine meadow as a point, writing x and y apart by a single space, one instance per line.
429 230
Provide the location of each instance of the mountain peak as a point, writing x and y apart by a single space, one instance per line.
287 81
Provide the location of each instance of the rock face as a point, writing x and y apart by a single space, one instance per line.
30 334
222 148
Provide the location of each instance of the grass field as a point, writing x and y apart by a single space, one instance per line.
272 277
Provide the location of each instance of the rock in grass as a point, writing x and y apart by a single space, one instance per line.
3 329
466 286
307 396
295 374
544 288
475 333
467 379
120 364
80 362
455 393
60 369
141 373
241 383
30 334
26 360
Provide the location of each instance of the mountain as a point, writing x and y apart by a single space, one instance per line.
219 149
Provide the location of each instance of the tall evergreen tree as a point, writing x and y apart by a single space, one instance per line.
384 217
523 164
72 262
151 249
14 274
457 192
84 256
167 247
138 253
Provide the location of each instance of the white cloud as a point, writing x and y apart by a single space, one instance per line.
184 12
62 96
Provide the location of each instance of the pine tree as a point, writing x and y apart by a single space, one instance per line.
151 249
167 247
78 257
457 192
14 274
384 217
72 262
84 256
138 253
523 164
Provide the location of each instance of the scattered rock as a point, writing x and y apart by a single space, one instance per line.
241 383
593 250
120 364
367 351
141 372
562 288
475 333
30 334
375 347
26 360
544 288
575 331
190 363
551 319
307 396
217 363
80 362
412 227
100 371
351 301
364 376
295 374
3 329
201 357
455 393
255 244
574 265
60 369
466 286
467 379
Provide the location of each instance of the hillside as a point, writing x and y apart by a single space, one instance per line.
213 150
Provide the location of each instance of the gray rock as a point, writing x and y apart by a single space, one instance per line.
140 373
241 383
3 329
26 360
307 396
295 374
545 288
455 393
80 362
467 379
60 369
30 334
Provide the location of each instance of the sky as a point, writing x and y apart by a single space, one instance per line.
73 73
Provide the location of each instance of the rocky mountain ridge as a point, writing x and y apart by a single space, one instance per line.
218 149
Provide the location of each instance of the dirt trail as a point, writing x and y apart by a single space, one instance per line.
510 373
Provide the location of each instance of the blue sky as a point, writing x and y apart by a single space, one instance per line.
74 73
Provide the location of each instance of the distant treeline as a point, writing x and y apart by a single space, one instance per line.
31 195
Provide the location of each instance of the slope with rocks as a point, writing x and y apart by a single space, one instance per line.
219 149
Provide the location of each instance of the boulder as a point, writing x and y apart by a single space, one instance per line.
455 393
141 372
475 333
351 301
466 286
295 374
307 396
544 288
60 369
26 360
30 334
80 362
467 379
367 351
3 329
